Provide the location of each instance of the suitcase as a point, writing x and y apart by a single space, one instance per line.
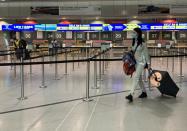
166 85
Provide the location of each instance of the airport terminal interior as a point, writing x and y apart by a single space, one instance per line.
63 65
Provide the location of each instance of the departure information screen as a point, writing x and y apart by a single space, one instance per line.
93 27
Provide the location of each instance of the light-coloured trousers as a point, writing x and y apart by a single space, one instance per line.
137 78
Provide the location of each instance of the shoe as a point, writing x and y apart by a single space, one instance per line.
143 95
130 98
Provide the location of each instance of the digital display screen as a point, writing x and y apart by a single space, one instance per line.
18 27
130 27
156 26
74 27
96 27
85 27
62 27
51 27
145 26
39 27
181 26
93 27
168 27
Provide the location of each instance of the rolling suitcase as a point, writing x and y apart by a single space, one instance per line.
165 84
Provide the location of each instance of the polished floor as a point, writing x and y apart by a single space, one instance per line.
51 108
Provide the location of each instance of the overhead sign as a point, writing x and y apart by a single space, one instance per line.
18 27
39 27
181 26
114 27
168 27
51 27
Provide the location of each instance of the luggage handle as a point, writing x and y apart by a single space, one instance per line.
151 72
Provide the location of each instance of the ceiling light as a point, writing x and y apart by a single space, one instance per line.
3 0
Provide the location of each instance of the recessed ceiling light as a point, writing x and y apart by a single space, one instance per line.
3 0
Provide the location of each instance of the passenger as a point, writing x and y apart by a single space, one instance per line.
50 47
142 59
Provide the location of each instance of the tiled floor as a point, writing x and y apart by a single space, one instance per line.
105 113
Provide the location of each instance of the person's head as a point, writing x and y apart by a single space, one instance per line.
137 36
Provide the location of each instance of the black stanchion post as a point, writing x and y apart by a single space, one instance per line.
43 74
22 80
87 99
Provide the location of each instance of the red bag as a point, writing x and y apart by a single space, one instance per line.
128 70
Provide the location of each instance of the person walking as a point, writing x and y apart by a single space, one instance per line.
142 59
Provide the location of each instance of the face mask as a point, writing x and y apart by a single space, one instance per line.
134 35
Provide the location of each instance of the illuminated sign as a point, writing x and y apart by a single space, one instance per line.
39 27
74 27
145 26
181 26
131 26
168 27
85 27
62 27
51 27
18 27
156 26
96 27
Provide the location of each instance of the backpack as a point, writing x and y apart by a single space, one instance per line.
129 62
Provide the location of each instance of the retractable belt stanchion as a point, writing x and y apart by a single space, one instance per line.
149 79
43 74
103 63
78 56
30 66
167 61
66 66
56 67
73 64
87 99
22 80
15 65
11 59
173 64
95 76
100 77
181 75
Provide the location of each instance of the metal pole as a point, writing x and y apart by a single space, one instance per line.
149 79
66 66
43 75
173 64
181 75
78 57
87 99
95 76
30 66
103 64
56 68
11 59
15 65
167 62
100 77
22 80
73 62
